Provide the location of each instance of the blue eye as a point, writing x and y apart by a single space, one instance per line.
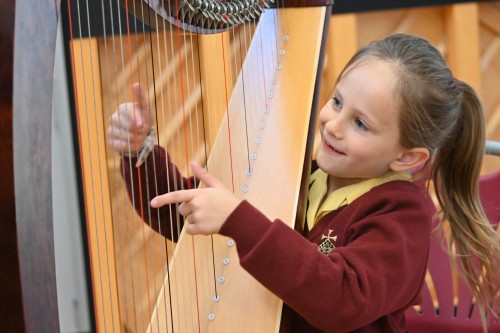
360 124
336 103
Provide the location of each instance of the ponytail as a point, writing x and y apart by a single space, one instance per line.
473 242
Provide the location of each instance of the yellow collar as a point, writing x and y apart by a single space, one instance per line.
343 196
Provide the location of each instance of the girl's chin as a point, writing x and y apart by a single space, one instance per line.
323 162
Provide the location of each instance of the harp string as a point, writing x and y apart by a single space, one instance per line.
205 152
114 162
119 45
87 117
134 284
221 102
132 278
190 119
186 148
185 122
147 171
206 100
172 218
167 255
171 115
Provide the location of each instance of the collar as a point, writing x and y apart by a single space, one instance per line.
342 196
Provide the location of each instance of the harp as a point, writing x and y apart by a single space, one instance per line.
277 118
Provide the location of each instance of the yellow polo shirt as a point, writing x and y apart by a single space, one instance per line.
343 196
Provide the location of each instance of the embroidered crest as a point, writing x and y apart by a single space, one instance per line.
327 246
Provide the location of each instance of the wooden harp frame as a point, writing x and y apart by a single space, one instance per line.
32 158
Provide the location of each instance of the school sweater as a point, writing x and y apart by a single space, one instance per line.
373 274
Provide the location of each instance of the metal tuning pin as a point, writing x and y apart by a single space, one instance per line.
209 14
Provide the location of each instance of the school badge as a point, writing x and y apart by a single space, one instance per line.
327 246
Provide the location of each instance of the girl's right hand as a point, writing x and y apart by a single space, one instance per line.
131 123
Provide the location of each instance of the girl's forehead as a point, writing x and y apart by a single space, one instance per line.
371 62
376 73
369 89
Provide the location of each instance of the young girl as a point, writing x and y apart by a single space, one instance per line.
362 258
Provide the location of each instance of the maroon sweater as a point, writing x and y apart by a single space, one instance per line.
365 284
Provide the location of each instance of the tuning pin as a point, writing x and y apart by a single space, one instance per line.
258 9
231 20
198 20
248 16
241 18
222 17
188 5
211 15
239 7
218 9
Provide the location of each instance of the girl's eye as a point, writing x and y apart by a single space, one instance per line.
360 125
336 102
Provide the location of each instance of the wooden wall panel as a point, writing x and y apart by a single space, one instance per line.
489 43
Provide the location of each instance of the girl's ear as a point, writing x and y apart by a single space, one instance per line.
410 159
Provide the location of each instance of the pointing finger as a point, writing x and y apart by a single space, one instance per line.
173 197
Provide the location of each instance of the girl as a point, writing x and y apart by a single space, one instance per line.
361 260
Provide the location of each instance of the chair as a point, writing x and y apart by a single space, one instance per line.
437 312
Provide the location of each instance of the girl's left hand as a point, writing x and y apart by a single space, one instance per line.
204 209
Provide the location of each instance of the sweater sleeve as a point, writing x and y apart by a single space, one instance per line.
157 175
378 271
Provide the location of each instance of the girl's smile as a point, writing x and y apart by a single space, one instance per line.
332 148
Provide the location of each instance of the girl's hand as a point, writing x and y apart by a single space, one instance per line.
131 123
204 209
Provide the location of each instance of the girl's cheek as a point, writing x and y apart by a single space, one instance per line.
323 118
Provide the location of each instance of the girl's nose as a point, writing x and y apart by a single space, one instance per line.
334 128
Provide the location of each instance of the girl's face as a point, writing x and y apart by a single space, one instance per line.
359 126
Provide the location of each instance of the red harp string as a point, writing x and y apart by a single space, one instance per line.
213 98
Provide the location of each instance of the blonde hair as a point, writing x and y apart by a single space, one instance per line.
445 116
